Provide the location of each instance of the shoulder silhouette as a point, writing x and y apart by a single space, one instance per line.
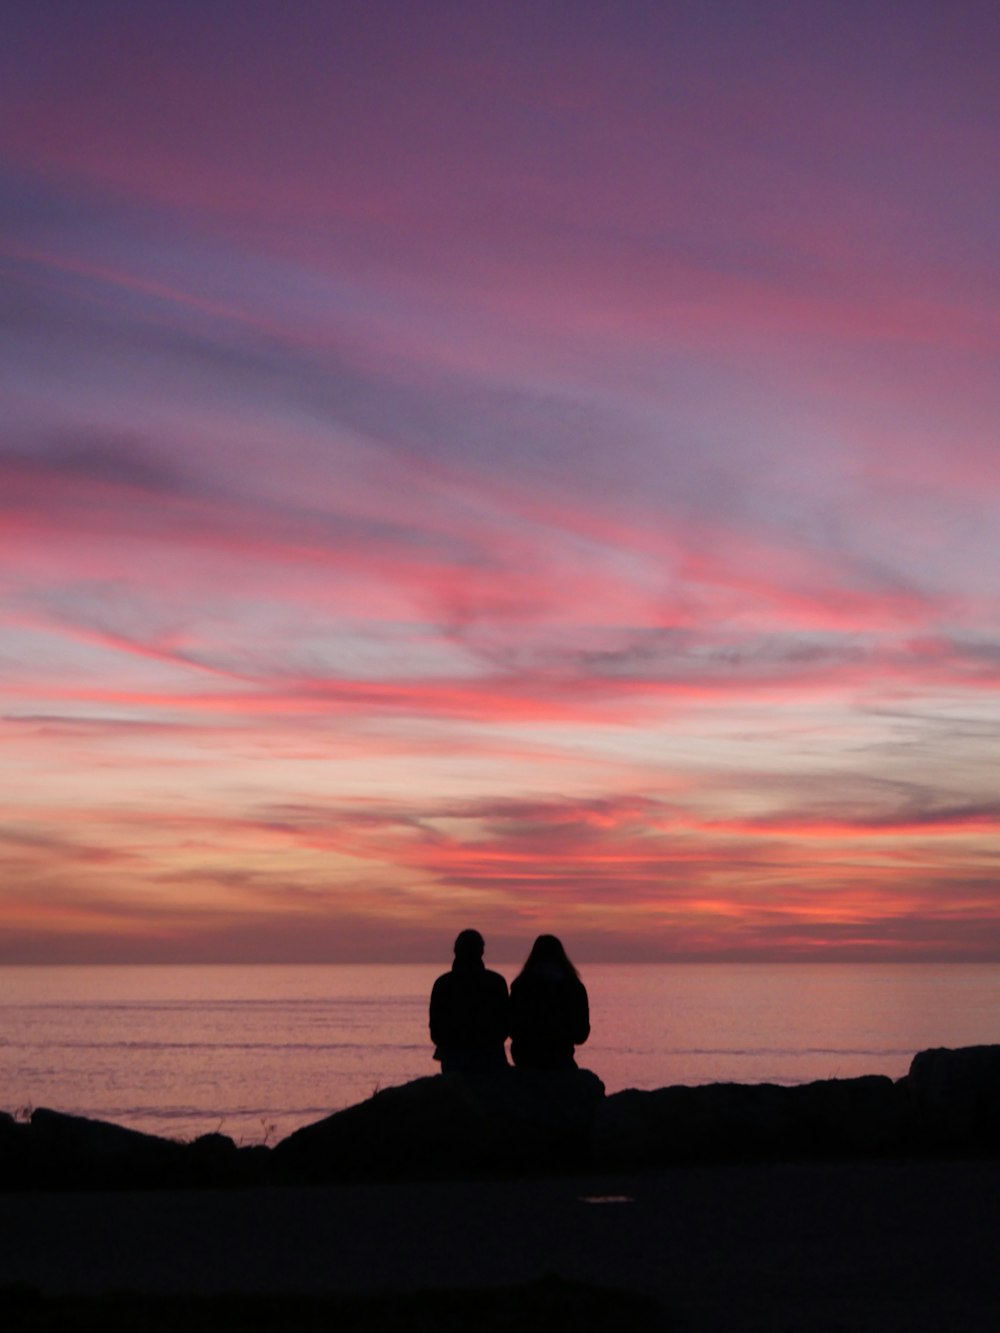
469 1012
549 1009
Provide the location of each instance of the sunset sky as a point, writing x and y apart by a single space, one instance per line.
523 465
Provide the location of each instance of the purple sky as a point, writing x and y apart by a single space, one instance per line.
531 466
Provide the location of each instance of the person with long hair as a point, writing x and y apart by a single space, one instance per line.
549 1009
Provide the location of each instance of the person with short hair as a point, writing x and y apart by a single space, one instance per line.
469 1012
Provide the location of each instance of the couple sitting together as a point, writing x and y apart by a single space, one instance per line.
546 1015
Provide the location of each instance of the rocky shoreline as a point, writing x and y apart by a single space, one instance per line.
523 1123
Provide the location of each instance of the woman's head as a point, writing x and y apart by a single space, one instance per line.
548 955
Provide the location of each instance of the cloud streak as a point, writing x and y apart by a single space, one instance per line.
537 470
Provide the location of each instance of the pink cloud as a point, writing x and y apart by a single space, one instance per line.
596 419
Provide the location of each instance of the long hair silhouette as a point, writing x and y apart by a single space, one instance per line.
547 953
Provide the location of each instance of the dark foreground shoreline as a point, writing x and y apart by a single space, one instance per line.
548 1304
879 1245
528 1201
521 1122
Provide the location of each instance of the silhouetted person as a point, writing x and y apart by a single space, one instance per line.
469 1012
549 1010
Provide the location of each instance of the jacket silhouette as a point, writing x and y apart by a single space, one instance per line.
469 1014
549 1009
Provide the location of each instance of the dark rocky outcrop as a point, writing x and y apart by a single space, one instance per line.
542 1120
16 1154
520 1121
433 1124
850 1117
514 1120
79 1153
720 1121
955 1099
59 1151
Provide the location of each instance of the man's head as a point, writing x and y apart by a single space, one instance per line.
469 945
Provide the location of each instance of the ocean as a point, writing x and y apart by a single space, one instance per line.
256 1051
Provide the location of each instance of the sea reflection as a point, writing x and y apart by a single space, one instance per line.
257 1051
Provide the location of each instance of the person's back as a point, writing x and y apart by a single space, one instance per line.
469 1016
549 1009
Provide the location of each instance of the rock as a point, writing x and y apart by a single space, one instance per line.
214 1159
74 1152
17 1160
849 1117
721 1121
59 1151
449 1124
519 1120
539 1119
955 1098
680 1124
431 1125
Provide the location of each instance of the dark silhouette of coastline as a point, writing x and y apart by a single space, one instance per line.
520 1121
851 1204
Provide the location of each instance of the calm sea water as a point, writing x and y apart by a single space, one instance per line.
258 1051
